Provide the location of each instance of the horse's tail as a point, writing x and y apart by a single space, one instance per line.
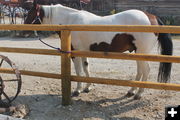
166 46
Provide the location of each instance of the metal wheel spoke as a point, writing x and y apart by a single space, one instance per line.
6 96
12 80
1 86
1 62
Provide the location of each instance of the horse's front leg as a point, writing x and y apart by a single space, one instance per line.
78 69
85 65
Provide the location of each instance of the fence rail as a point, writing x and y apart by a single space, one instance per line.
152 85
103 28
107 55
65 58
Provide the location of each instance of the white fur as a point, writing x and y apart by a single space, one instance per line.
58 14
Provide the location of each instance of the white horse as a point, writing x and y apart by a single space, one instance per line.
108 41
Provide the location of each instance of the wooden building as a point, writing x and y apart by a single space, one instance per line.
158 7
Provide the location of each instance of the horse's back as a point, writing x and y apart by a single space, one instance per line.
128 17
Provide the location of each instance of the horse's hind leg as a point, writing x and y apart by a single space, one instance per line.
138 77
144 66
78 70
85 65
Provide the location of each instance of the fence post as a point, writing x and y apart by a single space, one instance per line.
66 67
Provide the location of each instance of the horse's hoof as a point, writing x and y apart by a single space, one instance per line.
137 97
86 90
129 94
75 94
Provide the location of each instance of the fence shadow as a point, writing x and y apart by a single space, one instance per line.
43 106
116 107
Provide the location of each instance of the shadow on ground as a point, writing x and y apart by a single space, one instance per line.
45 107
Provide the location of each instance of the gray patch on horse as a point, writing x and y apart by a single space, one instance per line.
85 63
120 43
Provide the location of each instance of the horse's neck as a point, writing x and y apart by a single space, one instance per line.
58 14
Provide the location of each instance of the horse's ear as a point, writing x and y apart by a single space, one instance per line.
35 3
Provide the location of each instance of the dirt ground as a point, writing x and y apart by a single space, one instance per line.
43 96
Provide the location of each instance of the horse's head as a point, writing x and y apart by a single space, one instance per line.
35 14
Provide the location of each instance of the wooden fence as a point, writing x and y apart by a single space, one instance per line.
66 76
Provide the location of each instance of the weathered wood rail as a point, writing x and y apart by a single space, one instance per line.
66 57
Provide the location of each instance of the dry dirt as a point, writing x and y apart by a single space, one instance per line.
43 96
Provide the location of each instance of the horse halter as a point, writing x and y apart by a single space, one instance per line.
37 15
38 18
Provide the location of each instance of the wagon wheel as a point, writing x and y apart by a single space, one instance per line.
10 84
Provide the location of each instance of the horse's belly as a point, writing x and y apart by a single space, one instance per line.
113 41
103 41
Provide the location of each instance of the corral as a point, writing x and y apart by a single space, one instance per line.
97 104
